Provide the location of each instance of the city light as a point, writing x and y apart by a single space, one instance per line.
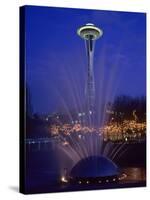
64 180
125 131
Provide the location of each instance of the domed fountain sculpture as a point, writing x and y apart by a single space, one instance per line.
94 169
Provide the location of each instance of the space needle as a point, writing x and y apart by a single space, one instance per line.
90 33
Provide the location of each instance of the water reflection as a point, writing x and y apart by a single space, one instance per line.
134 174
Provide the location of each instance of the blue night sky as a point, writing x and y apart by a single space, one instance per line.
56 56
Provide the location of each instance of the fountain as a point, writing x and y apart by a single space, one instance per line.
89 153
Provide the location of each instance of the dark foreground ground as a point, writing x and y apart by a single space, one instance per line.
44 171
